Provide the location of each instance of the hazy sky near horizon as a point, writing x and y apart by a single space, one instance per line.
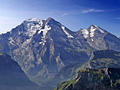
74 14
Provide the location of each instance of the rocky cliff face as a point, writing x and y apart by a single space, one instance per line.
103 59
44 47
93 79
100 39
101 72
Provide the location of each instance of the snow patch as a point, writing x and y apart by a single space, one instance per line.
85 33
32 27
92 39
43 42
98 28
68 35
11 41
92 31
45 30
101 30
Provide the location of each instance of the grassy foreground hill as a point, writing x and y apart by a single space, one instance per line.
94 79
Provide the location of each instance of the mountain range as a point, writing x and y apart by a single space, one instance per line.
47 51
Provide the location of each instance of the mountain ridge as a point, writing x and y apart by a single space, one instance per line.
93 79
101 72
44 47
103 59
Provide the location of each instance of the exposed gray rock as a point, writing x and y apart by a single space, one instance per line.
44 47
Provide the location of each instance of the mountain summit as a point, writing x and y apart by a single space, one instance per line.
92 31
44 47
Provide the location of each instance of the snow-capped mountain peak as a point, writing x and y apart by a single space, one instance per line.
43 47
35 25
90 32
94 28
32 25
50 19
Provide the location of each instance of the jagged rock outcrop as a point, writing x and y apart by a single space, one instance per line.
94 79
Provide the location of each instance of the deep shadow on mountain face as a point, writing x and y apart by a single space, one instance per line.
12 77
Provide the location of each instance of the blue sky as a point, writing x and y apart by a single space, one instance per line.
75 14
